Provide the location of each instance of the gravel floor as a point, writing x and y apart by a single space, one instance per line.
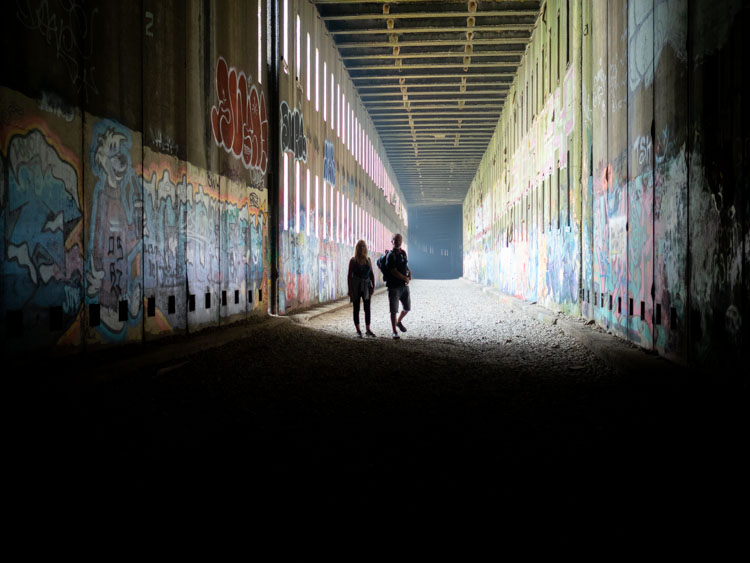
479 411
456 321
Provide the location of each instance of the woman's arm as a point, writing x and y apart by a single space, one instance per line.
349 276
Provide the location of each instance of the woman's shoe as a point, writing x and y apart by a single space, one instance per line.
359 333
368 332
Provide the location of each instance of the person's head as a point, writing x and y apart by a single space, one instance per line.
397 240
360 251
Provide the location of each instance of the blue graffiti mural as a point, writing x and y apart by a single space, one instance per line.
42 220
114 250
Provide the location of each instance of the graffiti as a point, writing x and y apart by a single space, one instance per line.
642 149
293 133
239 121
163 142
616 86
67 27
114 248
652 25
600 90
42 236
54 104
329 165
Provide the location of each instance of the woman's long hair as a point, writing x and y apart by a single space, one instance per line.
360 252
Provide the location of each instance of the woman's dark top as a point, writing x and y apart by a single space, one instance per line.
361 280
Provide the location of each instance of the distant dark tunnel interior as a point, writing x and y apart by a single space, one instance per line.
435 249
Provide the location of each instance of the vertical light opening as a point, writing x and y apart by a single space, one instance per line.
325 99
309 67
286 191
285 54
338 112
260 43
333 113
324 211
307 204
296 196
317 209
317 81
297 50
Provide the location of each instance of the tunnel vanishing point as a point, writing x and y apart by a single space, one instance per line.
171 166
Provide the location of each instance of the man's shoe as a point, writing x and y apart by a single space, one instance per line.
396 336
400 326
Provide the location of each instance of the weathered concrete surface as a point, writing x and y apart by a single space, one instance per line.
301 423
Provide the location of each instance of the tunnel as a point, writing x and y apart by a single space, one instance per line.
570 182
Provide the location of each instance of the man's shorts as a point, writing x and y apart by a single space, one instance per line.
396 294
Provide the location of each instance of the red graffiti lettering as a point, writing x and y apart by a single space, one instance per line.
239 119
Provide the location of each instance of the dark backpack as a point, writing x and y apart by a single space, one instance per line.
382 264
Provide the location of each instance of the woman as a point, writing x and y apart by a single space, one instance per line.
361 284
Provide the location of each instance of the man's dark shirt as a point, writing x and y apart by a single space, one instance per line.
396 259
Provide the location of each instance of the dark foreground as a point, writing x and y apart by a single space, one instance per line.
298 428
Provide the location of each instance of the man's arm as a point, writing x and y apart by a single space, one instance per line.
396 274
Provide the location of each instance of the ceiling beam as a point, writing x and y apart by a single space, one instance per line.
528 12
433 43
431 93
431 76
495 64
441 55
429 29
500 85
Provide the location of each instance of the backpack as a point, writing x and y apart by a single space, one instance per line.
382 261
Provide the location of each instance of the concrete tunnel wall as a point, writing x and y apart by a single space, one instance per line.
341 153
615 185
142 170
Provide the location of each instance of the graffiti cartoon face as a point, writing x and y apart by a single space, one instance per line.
110 155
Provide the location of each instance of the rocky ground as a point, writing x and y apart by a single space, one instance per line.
481 410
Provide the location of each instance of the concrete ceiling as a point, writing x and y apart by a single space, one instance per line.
434 76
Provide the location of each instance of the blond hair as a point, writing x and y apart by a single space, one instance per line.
360 252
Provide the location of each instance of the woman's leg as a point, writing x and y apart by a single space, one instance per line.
367 313
356 313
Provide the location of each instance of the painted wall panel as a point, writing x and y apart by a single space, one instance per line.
164 243
41 212
717 180
617 150
640 187
660 143
670 21
602 174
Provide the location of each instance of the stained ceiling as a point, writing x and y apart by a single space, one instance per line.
434 76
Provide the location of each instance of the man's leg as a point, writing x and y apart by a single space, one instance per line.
393 299
405 299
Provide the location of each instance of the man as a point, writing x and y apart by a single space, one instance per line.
398 284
